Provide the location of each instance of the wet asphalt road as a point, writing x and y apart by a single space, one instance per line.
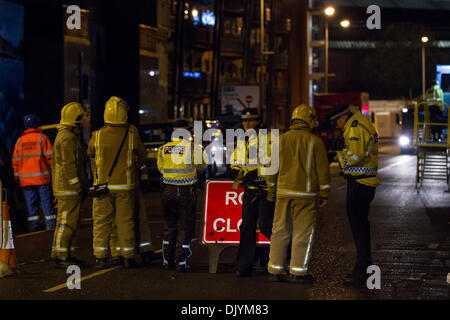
410 244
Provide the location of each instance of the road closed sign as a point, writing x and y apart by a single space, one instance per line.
223 214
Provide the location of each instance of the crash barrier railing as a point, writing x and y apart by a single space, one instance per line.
222 219
422 129
432 155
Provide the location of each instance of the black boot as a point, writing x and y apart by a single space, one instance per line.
149 256
101 263
62 263
169 265
275 277
117 261
301 279
129 263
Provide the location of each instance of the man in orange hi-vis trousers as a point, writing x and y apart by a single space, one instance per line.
32 161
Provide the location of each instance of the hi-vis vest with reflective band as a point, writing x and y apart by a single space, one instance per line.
360 155
32 158
246 156
176 162
68 165
303 171
103 147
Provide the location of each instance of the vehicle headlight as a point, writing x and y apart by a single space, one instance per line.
403 141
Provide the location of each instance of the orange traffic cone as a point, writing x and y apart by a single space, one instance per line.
7 251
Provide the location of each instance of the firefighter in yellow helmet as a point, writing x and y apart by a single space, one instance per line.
303 180
256 209
69 182
178 162
359 164
118 141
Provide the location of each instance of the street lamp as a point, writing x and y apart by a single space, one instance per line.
329 11
345 23
424 40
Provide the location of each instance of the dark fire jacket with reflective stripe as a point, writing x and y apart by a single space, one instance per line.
303 171
69 163
32 158
103 148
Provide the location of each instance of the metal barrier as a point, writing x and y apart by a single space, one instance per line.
432 156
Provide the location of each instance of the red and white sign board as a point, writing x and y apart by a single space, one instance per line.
223 214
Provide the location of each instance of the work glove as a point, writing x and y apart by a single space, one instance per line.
331 156
271 196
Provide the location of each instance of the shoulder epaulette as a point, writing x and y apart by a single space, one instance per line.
354 123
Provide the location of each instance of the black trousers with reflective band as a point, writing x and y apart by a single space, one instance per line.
359 197
255 208
179 204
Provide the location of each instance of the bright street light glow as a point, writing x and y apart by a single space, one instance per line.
424 39
404 110
403 141
345 23
195 13
329 11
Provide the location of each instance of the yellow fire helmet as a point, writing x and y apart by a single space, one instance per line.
307 114
116 111
72 114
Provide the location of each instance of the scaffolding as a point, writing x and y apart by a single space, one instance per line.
432 153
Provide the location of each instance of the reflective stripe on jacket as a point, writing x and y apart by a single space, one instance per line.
68 165
360 155
178 164
102 150
32 158
303 171
246 156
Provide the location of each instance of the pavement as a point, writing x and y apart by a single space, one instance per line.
410 245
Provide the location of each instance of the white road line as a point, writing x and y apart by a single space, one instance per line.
92 275
95 274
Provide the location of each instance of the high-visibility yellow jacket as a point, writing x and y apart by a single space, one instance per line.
32 158
248 154
68 165
434 93
179 160
359 158
102 149
303 171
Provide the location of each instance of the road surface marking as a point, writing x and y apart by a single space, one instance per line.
92 275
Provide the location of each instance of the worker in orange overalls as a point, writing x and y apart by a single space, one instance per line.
32 159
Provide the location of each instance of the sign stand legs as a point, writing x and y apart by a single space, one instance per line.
214 251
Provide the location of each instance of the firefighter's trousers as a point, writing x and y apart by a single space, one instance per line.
67 223
142 230
256 209
115 207
179 203
294 221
